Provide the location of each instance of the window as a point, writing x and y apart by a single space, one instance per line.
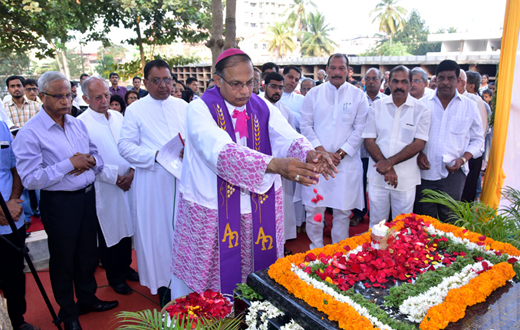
260 4
253 25
256 46
264 46
252 15
247 24
261 25
260 15
253 4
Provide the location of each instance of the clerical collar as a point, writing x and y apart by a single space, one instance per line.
232 107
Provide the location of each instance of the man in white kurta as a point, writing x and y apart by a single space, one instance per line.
290 98
397 129
148 125
333 117
113 194
211 153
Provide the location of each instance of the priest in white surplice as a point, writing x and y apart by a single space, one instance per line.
113 194
273 92
333 117
149 124
230 218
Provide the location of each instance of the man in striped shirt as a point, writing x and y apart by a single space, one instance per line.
19 109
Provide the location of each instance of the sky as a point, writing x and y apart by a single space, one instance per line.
350 18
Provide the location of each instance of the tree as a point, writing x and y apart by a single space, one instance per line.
216 43
297 14
281 39
44 26
390 17
158 22
415 36
13 64
398 49
316 41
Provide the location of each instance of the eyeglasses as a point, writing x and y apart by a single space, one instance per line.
417 81
239 85
32 89
278 87
157 81
60 97
99 98
373 78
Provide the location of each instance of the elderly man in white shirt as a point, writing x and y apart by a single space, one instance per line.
456 136
333 117
113 195
418 87
397 130
290 98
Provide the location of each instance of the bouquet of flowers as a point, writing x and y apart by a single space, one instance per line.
198 307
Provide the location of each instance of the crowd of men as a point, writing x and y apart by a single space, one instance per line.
257 141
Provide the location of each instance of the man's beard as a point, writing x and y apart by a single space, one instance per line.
271 98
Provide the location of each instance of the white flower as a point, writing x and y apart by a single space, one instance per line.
339 297
416 307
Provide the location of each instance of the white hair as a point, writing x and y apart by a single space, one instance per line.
308 79
419 70
463 76
379 74
86 83
49 77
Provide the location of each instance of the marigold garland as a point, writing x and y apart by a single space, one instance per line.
438 317
477 290
463 233
347 317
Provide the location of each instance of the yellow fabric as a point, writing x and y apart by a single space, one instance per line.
494 173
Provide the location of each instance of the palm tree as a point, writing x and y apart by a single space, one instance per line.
282 39
297 13
391 18
316 39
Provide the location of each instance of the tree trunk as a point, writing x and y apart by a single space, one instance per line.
57 56
390 49
231 39
65 63
215 43
140 43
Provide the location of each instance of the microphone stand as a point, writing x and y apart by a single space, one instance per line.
22 248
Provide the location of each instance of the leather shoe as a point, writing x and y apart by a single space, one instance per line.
74 325
132 275
122 288
97 306
355 221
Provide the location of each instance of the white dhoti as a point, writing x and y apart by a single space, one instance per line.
381 199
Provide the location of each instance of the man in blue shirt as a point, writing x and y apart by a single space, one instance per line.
11 261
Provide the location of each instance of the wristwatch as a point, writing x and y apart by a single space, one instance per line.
341 153
464 160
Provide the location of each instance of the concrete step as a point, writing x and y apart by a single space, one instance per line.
38 250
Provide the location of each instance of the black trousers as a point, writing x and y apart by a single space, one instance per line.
453 185
470 188
70 221
13 277
362 213
116 259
